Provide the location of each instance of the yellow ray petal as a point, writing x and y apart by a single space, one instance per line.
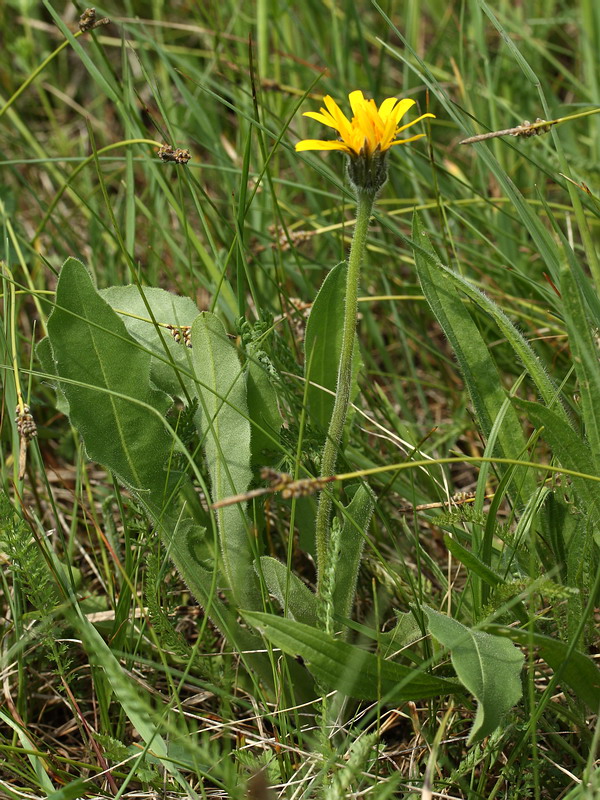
412 139
357 101
338 115
413 122
318 144
325 119
401 109
385 109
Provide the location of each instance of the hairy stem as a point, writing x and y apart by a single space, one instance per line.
364 207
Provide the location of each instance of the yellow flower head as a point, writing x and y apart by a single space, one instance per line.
371 130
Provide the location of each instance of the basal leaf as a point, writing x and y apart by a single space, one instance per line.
569 448
486 667
169 357
221 389
45 356
263 410
119 415
577 671
345 667
323 345
291 593
357 516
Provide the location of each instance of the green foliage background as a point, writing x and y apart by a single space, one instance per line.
478 337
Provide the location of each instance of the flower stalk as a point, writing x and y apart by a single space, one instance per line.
364 207
366 139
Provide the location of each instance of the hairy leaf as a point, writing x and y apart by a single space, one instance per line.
291 593
488 666
323 345
345 667
221 390
357 516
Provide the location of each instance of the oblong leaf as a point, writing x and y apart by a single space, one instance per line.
221 390
169 357
291 593
323 345
577 670
112 403
357 515
345 667
485 665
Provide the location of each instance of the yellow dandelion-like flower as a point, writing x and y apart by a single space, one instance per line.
371 130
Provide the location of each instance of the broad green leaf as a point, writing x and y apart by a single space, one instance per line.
112 403
488 666
357 516
221 389
577 671
263 410
120 418
169 357
585 359
291 593
345 667
45 356
323 345
479 369
406 631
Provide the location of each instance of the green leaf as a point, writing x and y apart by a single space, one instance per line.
263 410
221 389
291 593
569 448
120 417
479 370
472 562
45 356
485 665
357 515
169 357
112 404
323 345
585 360
521 347
577 671
345 667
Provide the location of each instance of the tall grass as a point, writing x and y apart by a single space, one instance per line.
475 422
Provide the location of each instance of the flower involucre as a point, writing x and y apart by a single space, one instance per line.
371 130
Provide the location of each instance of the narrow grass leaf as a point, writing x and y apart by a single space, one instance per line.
485 665
345 667
585 359
577 671
479 369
